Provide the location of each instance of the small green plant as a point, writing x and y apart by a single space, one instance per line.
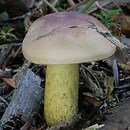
6 34
107 18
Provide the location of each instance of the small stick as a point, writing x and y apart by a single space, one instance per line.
88 5
77 5
3 100
54 2
27 125
47 3
100 7
71 2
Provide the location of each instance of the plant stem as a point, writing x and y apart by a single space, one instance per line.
47 3
71 2
88 5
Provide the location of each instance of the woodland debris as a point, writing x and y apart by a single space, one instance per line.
93 8
15 7
48 4
26 99
4 89
5 73
9 82
26 126
119 118
121 2
71 2
69 125
4 53
125 28
119 56
95 90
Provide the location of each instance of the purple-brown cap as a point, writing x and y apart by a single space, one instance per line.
66 38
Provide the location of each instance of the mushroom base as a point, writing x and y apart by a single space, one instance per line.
61 93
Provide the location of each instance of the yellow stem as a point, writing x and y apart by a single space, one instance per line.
61 93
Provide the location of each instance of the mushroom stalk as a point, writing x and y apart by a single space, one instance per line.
61 93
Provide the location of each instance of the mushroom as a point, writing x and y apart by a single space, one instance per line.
62 41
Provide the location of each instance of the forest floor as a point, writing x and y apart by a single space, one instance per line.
104 86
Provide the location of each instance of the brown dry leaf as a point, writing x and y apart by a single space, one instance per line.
41 128
125 29
92 100
26 126
9 82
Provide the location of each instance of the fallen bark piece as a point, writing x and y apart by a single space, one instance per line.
119 119
26 99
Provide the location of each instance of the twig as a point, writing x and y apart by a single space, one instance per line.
123 86
41 128
104 3
27 21
77 5
18 51
91 73
100 7
3 100
12 44
12 56
71 2
26 126
53 2
47 3
88 5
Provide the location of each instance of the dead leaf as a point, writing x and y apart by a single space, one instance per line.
125 28
9 82
26 126
92 100
41 128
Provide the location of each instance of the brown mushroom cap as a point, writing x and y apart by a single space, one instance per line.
62 38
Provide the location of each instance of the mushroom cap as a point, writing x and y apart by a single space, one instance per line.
66 38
